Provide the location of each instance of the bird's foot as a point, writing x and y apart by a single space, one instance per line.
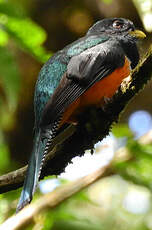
106 100
125 83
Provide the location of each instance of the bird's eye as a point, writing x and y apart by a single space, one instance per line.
117 24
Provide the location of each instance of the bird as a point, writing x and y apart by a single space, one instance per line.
80 75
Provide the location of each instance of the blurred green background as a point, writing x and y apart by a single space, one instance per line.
30 32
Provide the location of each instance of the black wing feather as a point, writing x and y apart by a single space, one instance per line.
82 72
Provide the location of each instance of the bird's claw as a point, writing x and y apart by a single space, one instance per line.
125 84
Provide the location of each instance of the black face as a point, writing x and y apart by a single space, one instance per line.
120 28
112 26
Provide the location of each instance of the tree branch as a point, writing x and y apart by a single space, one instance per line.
51 200
94 125
15 179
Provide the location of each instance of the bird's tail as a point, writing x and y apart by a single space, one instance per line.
40 149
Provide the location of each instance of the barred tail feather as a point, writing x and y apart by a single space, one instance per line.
36 162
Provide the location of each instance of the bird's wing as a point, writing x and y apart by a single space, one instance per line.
82 72
53 70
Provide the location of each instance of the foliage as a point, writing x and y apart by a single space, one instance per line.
17 26
17 31
139 169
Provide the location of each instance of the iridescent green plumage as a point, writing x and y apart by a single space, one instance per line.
52 72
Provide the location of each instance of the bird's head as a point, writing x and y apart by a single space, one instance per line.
123 31
120 27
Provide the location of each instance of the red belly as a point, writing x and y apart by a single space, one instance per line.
106 87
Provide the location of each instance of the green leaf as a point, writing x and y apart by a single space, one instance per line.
11 9
28 36
3 38
9 76
26 30
9 86
49 220
122 130
41 54
107 1
138 169
145 13
147 149
4 155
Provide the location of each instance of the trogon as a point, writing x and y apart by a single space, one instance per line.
80 75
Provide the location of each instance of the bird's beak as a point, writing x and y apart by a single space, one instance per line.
137 34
